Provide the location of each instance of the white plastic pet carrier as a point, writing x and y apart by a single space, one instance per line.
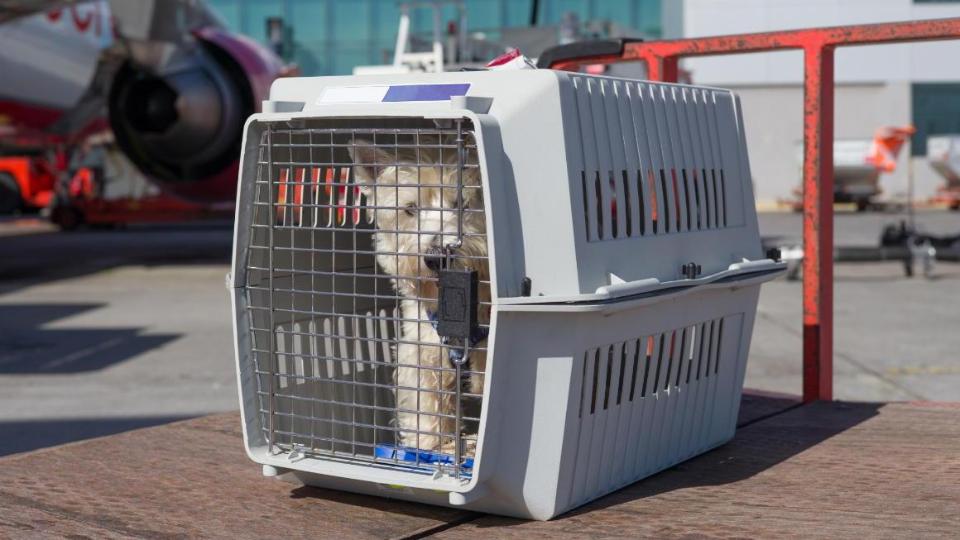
508 291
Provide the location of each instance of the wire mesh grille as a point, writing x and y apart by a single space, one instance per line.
353 223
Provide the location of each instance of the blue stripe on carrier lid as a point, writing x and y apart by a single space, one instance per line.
424 92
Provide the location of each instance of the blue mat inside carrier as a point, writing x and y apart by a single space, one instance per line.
422 459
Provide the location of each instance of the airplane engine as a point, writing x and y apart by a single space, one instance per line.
179 116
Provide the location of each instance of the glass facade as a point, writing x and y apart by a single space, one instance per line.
326 37
936 111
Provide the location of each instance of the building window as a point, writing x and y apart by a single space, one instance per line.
936 111
327 37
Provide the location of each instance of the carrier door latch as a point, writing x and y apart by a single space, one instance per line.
456 319
457 309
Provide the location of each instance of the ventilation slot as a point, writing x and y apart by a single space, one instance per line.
596 381
636 369
648 355
665 201
723 198
675 202
628 204
656 202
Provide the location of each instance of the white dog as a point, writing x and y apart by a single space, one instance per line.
413 238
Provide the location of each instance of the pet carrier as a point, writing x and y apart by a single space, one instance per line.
508 291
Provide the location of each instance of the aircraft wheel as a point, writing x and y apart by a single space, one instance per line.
67 218
10 199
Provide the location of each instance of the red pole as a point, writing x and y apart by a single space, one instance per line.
818 222
670 71
661 68
654 67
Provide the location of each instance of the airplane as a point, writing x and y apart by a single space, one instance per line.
166 76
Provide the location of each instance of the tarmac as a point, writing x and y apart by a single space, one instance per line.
105 331
895 337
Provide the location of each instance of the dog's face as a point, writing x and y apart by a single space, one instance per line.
418 206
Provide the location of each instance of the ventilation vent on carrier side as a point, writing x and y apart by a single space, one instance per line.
635 369
660 173
630 402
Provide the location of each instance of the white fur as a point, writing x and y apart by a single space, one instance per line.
409 198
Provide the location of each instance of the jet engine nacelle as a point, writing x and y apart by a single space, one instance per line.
181 122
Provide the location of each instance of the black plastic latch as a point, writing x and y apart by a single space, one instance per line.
457 309
691 270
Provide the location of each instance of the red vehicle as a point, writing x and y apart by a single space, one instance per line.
26 183
105 189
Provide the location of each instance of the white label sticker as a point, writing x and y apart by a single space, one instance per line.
353 94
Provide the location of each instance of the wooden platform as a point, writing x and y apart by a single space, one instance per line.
822 470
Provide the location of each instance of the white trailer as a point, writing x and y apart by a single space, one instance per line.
943 152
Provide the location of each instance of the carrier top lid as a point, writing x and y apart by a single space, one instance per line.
596 187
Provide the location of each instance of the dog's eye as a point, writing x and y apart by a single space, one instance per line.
410 209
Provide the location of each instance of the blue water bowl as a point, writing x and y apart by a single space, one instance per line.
419 458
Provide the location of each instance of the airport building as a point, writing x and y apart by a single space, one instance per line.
878 85
886 85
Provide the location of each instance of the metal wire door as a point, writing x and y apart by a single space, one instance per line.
367 251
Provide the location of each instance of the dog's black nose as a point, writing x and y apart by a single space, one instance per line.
434 259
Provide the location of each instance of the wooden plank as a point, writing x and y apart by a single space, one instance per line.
192 478
30 521
820 470
187 479
834 469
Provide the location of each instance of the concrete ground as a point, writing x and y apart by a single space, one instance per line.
895 338
105 331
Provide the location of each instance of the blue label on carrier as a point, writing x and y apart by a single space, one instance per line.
424 92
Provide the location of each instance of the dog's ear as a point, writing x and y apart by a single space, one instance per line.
369 161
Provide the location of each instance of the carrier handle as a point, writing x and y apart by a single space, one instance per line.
640 286
583 49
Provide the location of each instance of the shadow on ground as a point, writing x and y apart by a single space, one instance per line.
25 435
31 259
758 446
756 407
26 347
452 516
735 461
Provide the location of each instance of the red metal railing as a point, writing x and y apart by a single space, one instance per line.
818 45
